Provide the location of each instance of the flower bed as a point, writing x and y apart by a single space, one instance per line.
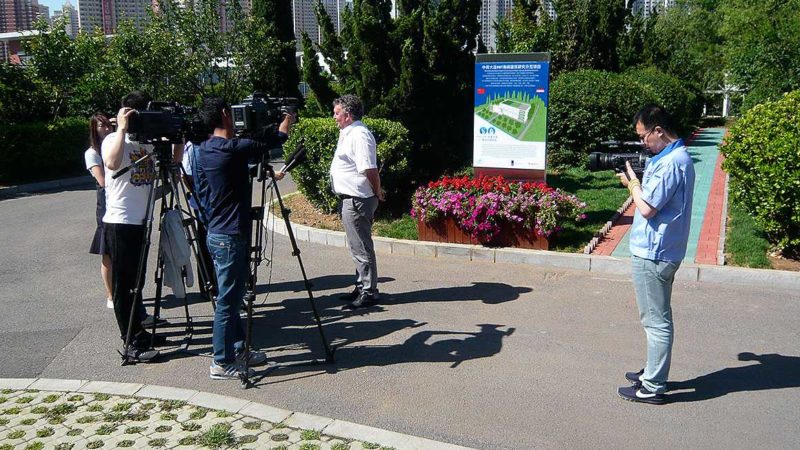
485 207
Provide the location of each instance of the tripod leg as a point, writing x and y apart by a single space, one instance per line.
296 252
136 292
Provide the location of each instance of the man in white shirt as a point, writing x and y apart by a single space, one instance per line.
355 179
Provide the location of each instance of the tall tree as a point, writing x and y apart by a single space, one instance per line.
314 76
281 76
762 46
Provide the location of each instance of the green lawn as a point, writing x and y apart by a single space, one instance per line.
603 195
745 243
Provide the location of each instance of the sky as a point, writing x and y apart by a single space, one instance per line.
56 4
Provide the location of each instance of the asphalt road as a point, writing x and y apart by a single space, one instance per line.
484 355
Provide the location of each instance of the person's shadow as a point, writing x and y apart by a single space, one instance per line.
773 371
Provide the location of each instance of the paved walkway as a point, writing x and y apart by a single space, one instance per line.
707 208
455 352
76 414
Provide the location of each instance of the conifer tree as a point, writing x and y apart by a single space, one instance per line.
277 14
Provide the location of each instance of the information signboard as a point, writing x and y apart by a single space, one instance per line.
510 125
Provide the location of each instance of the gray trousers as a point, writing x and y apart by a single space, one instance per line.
357 216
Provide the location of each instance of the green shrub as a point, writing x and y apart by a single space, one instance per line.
761 156
590 106
319 136
669 92
41 151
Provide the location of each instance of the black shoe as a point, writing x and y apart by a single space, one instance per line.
364 300
134 355
351 296
634 377
143 340
641 394
148 322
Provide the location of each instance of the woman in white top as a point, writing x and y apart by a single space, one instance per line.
99 127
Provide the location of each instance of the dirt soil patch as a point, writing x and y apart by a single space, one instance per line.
304 213
784 263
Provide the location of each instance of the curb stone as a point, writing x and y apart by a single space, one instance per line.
782 279
44 186
331 427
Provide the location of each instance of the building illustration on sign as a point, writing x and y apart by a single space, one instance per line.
515 110
518 114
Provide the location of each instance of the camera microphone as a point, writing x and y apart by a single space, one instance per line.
297 157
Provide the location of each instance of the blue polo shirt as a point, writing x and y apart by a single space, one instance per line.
222 179
667 186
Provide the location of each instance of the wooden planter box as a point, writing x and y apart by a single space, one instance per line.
511 235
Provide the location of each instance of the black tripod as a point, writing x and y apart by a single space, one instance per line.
167 180
266 176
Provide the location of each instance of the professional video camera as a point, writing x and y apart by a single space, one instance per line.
614 155
163 122
258 113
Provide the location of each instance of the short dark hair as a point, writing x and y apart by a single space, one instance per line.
351 104
652 115
211 112
136 100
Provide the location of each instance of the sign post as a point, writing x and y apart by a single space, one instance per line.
510 126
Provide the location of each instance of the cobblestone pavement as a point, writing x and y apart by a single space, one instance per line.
32 419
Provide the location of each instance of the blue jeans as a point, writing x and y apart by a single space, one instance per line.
652 281
230 253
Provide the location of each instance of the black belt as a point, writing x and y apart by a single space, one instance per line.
345 197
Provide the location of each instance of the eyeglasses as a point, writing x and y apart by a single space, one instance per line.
644 138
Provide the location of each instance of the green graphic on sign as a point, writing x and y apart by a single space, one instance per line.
517 113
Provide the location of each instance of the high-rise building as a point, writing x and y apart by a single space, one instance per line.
107 14
306 21
71 15
647 7
44 12
493 11
17 15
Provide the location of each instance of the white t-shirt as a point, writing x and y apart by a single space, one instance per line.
355 153
92 159
126 197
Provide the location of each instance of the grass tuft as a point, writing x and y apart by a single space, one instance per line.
745 243
219 435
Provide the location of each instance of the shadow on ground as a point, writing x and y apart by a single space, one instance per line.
772 371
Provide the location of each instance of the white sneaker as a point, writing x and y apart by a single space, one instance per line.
109 303
227 371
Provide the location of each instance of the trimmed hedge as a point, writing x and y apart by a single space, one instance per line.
590 106
762 156
320 136
43 151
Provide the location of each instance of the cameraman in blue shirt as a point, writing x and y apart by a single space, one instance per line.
222 180
658 239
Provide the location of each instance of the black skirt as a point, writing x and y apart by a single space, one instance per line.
98 246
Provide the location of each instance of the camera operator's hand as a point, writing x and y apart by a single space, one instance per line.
279 175
289 119
631 175
122 119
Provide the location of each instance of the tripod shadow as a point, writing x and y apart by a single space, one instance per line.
772 371
428 346
317 284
